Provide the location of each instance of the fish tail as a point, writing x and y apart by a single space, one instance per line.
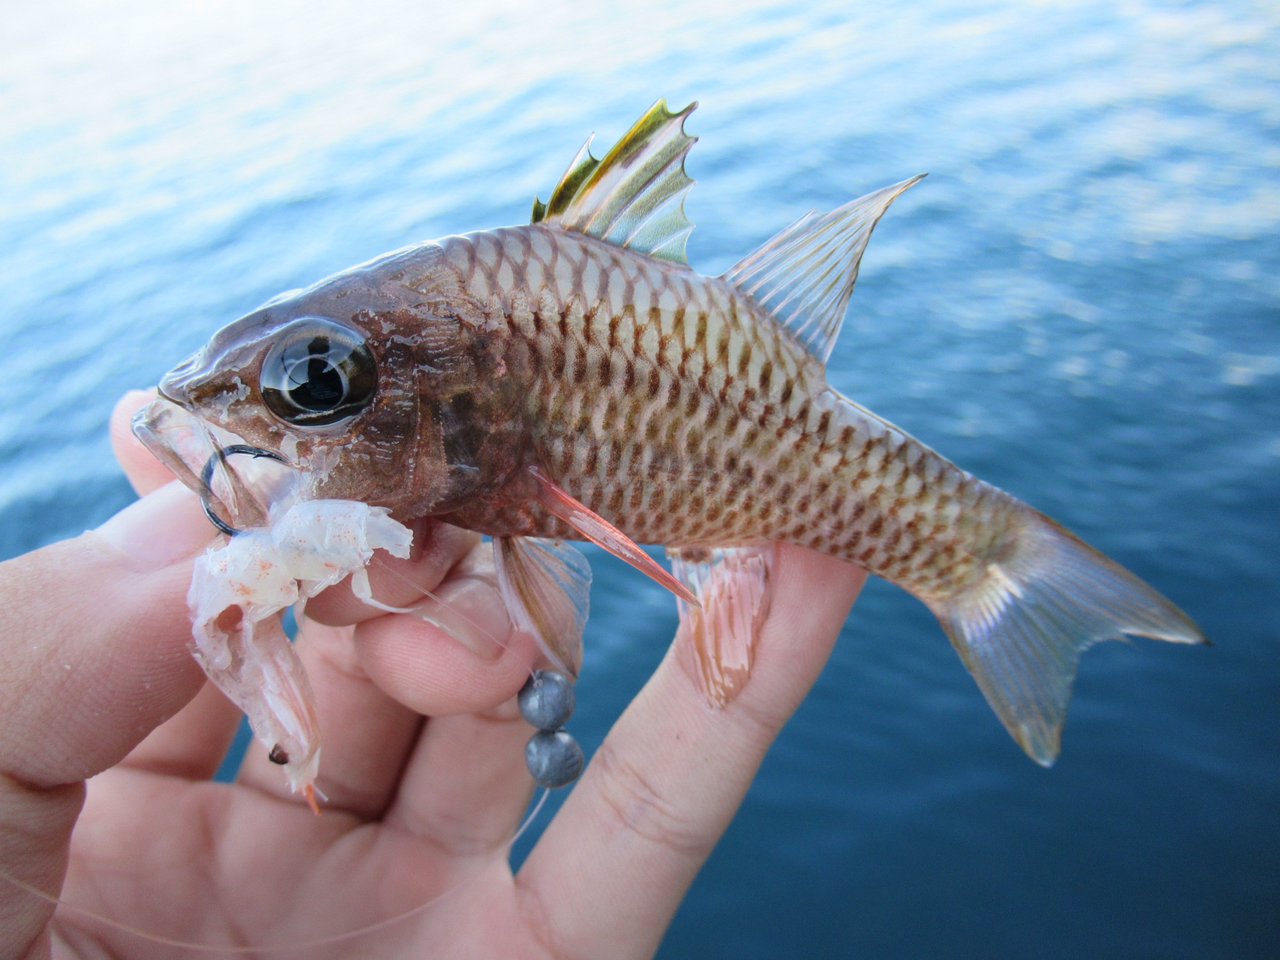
1022 628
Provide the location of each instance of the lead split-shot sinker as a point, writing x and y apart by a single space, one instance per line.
553 756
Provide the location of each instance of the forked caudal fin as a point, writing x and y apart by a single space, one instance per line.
1021 632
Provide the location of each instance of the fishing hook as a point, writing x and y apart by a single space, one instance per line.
206 479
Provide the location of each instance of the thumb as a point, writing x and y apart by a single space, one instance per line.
94 635
93 656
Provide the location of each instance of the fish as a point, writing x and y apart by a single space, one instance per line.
575 379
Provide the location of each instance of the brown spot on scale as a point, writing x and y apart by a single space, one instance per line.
655 383
722 347
712 415
700 334
766 376
693 444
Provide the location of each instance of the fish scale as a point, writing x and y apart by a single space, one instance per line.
712 454
575 378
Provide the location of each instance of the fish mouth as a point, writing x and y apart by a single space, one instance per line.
174 385
236 494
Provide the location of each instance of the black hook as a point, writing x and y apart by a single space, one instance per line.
206 479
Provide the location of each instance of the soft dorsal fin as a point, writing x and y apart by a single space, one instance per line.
634 196
805 275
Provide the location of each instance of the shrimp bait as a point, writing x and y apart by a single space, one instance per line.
238 592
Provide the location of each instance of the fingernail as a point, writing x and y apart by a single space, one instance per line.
163 527
471 611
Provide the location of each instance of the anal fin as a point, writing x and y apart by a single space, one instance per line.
718 638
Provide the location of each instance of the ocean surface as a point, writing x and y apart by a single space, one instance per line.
1080 304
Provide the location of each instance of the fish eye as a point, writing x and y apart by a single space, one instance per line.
318 372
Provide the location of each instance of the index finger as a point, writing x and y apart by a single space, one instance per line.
611 869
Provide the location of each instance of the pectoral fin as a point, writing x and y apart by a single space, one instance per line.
604 534
546 586
735 588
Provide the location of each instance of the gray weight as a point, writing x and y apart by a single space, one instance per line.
554 758
547 700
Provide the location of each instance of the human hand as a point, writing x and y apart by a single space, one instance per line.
97 682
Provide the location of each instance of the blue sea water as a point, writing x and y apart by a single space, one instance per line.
1080 304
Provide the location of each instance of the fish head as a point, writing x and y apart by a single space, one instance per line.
367 388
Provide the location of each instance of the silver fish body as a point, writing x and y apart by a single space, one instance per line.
667 403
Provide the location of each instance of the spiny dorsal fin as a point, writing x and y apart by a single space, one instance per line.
634 196
805 275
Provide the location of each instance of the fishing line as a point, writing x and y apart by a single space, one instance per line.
274 948
438 599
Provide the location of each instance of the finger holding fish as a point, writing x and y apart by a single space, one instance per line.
367 734
425 667
613 866
438 550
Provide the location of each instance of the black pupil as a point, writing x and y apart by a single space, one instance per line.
321 386
318 372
